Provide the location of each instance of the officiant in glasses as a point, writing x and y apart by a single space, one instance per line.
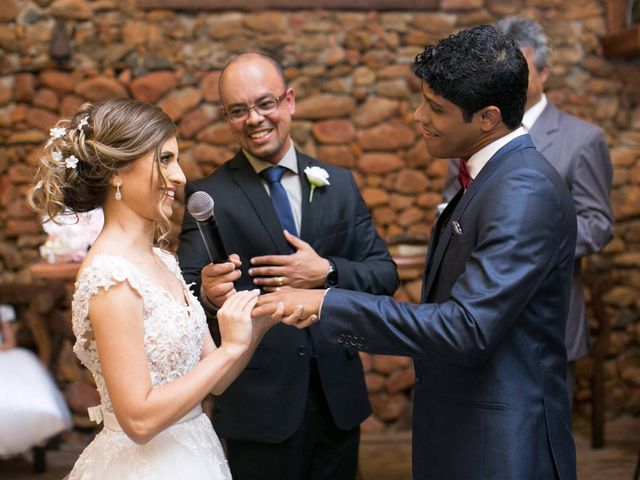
289 220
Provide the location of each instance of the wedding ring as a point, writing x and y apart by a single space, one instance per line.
280 281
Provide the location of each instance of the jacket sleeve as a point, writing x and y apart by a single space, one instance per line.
590 189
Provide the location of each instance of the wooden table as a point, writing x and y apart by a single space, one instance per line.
41 298
55 271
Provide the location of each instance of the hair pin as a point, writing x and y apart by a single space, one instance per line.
71 162
84 121
57 132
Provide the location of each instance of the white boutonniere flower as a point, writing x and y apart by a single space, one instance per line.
317 177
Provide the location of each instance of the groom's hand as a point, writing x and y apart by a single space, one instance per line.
302 269
306 303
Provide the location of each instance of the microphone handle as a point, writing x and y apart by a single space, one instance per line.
212 240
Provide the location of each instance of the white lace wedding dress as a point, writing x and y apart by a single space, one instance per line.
173 338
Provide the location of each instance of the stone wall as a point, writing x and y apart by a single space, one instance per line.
355 97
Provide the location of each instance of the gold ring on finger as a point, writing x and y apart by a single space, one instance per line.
280 281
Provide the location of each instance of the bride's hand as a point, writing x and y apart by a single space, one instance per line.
234 319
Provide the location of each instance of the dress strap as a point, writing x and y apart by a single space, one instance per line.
97 414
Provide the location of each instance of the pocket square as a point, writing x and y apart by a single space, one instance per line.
456 229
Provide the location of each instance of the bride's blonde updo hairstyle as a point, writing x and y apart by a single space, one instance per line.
85 152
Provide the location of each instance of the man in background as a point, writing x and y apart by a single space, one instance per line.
578 150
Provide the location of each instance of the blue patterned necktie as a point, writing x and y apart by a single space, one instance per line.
279 198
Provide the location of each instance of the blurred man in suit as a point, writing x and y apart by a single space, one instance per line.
294 413
488 342
578 150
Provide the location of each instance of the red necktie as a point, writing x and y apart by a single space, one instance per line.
464 177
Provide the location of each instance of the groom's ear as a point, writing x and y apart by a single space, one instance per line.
490 117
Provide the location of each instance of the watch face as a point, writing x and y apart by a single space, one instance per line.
332 279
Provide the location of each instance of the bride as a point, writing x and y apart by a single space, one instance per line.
138 327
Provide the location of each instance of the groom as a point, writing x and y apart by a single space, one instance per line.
488 341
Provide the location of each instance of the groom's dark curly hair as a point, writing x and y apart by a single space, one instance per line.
476 68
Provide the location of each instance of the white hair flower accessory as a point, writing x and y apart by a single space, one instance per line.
317 177
57 156
57 132
84 121
71 162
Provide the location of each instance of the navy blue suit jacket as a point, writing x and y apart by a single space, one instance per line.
266 402
578 150
490 398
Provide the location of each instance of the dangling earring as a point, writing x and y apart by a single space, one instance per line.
118 193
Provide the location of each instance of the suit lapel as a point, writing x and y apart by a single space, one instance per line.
545 129
249 182
437 240
307 227
457 209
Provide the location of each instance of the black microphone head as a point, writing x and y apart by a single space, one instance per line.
200 206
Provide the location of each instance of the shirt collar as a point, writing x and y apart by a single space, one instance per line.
531 115
479 159
289 161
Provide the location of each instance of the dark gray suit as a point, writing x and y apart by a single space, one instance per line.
578 150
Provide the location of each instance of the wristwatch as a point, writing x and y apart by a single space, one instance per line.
332 275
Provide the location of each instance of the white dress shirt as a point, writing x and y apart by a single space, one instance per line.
531 116
478 160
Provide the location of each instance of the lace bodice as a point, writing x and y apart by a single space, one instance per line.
173 332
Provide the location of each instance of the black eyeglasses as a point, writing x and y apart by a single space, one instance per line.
265 106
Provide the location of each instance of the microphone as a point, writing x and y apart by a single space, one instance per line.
200 206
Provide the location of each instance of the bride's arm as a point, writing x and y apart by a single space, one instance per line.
209 348
142 410
261 325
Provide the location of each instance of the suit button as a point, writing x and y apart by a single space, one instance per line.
302 350
418 378
354 341
340 338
